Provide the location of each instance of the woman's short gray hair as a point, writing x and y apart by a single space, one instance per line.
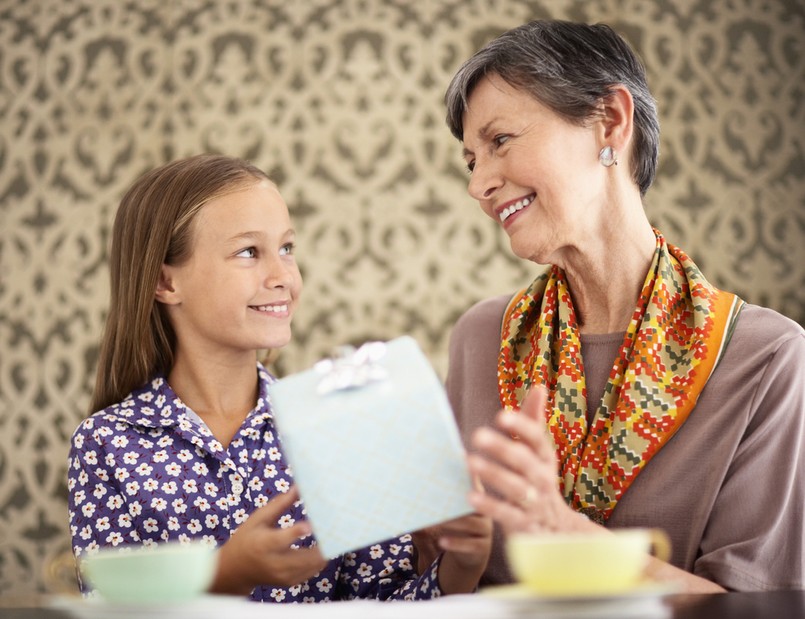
570 68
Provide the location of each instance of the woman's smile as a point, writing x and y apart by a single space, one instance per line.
507 210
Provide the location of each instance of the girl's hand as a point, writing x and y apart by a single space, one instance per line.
426 543
260 553
466 542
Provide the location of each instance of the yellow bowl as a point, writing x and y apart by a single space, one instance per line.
584 564
165 573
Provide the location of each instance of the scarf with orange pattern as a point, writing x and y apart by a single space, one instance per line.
676 336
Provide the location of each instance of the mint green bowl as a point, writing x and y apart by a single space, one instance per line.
166 573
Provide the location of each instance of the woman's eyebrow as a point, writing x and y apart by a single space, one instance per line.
482 133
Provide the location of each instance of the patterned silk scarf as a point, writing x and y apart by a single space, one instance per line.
677 334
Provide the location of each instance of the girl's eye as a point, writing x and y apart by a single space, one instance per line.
249 252
470 166
287 249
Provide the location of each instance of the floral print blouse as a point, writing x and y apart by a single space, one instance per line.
148 470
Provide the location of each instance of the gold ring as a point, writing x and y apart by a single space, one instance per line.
529 497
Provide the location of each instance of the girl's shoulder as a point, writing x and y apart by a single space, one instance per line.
152 405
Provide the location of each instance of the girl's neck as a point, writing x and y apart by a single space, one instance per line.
221 393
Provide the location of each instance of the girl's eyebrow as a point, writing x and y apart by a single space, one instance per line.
245 236
255 234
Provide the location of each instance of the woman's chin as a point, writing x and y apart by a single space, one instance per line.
530 252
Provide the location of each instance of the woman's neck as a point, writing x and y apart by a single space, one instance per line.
607 276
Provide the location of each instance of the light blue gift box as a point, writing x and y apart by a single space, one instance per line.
373 445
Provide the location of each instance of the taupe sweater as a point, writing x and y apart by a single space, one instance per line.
729 487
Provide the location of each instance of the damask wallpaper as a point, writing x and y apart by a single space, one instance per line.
341 101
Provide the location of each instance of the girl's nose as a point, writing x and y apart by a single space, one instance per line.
279 273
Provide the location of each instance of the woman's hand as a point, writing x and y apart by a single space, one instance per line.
260 553
520 476
466 543
523 495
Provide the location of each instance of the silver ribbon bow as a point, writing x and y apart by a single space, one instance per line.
352 368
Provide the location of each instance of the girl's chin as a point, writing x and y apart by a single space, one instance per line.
275 341
276 344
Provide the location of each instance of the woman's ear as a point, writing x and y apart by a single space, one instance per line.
617 119
166 292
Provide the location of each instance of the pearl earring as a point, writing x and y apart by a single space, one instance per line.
608 157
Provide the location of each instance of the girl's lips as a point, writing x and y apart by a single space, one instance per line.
275 309
514 207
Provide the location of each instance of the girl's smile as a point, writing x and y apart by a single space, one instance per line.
278 310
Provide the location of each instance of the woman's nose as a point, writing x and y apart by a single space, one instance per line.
484 181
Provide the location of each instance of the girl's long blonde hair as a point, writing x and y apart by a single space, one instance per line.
154 225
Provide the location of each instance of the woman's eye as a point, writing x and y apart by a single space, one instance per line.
470 166
500 140
249 252
287 249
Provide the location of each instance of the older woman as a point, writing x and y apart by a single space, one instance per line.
668 403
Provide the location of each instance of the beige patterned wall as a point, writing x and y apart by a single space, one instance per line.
341 100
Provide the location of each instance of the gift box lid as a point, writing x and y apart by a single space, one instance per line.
373 445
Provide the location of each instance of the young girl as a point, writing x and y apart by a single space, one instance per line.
183 447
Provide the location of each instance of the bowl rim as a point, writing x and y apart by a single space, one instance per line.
577 537
161 548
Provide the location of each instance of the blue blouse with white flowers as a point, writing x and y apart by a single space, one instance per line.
148 470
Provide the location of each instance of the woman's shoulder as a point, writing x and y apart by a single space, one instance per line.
763 365
475 339
484 315
763 330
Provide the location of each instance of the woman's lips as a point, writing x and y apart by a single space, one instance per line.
513 208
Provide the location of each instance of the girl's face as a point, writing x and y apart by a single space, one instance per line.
238 291
533 172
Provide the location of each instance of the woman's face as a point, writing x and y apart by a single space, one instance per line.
532 171
238 291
